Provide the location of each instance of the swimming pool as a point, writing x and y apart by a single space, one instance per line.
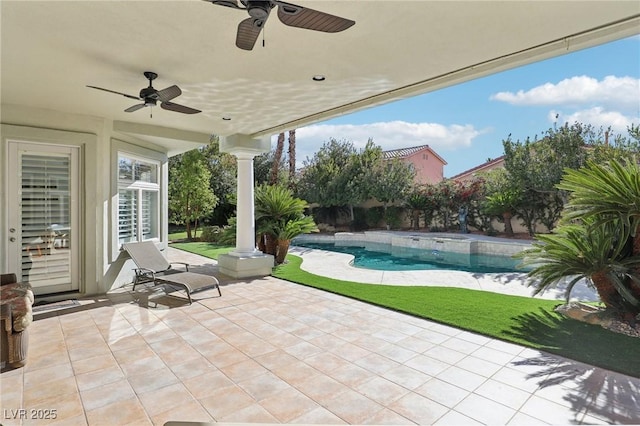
385 257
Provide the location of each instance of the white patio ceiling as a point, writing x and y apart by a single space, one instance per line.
52 49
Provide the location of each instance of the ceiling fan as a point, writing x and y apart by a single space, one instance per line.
150 97
290 14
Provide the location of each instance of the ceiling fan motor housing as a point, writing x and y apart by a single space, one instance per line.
149 93
259 9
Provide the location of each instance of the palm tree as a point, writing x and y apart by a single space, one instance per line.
279 218
503 204
277 157
417 202
598 236
606 191
292 158
285 231
596 252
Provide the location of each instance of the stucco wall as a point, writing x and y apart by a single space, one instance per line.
498 226
429 168
102 266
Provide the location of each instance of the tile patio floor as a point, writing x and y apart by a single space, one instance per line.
270 351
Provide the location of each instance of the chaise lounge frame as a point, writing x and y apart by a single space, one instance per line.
153 267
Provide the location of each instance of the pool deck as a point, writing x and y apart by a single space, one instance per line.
269 351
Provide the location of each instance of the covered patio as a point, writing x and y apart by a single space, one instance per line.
56 126
270 351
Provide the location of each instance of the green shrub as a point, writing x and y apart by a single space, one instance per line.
374 216
211 234
360 219
393 217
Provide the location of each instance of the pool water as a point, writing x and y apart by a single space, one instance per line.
385 257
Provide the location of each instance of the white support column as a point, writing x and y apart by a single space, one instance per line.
245 216
245 260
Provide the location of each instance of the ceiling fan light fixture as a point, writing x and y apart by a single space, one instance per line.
318 77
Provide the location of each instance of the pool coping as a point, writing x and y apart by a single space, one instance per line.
449 242
339 266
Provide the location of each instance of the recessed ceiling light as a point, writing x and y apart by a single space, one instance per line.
226 118
319 77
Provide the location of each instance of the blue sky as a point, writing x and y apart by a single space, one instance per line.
465 124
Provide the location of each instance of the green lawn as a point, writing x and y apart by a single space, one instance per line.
527 321
181 235
209 250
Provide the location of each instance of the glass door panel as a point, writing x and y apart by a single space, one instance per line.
46 218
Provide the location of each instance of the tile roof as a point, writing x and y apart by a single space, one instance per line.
480 167
403 152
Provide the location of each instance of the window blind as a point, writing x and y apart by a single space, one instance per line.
46 218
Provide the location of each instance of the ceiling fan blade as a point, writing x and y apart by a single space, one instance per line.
228 3
117 93
302 17
248 32
170 106
169 93
134 108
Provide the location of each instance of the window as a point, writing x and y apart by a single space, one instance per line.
138 199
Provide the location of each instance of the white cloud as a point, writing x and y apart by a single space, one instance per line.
597 117
621 92
388 135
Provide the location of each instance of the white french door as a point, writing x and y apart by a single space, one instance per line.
44 190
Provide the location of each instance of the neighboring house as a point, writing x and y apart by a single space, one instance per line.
496 163
429 166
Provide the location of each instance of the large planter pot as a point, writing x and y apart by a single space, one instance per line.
261 243
283 249
271 244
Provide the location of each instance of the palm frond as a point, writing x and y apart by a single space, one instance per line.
604 191
578 252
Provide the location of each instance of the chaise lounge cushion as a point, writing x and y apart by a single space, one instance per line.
16 300
19 297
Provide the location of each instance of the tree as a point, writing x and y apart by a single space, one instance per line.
190 195
470 195
262 165
503 197
537 166
447 200
417 201
607 191
503 204
326 177
358 179
599 237
432 203
279 218
616 147
390 180
222 182
586 250
277 158
292 159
